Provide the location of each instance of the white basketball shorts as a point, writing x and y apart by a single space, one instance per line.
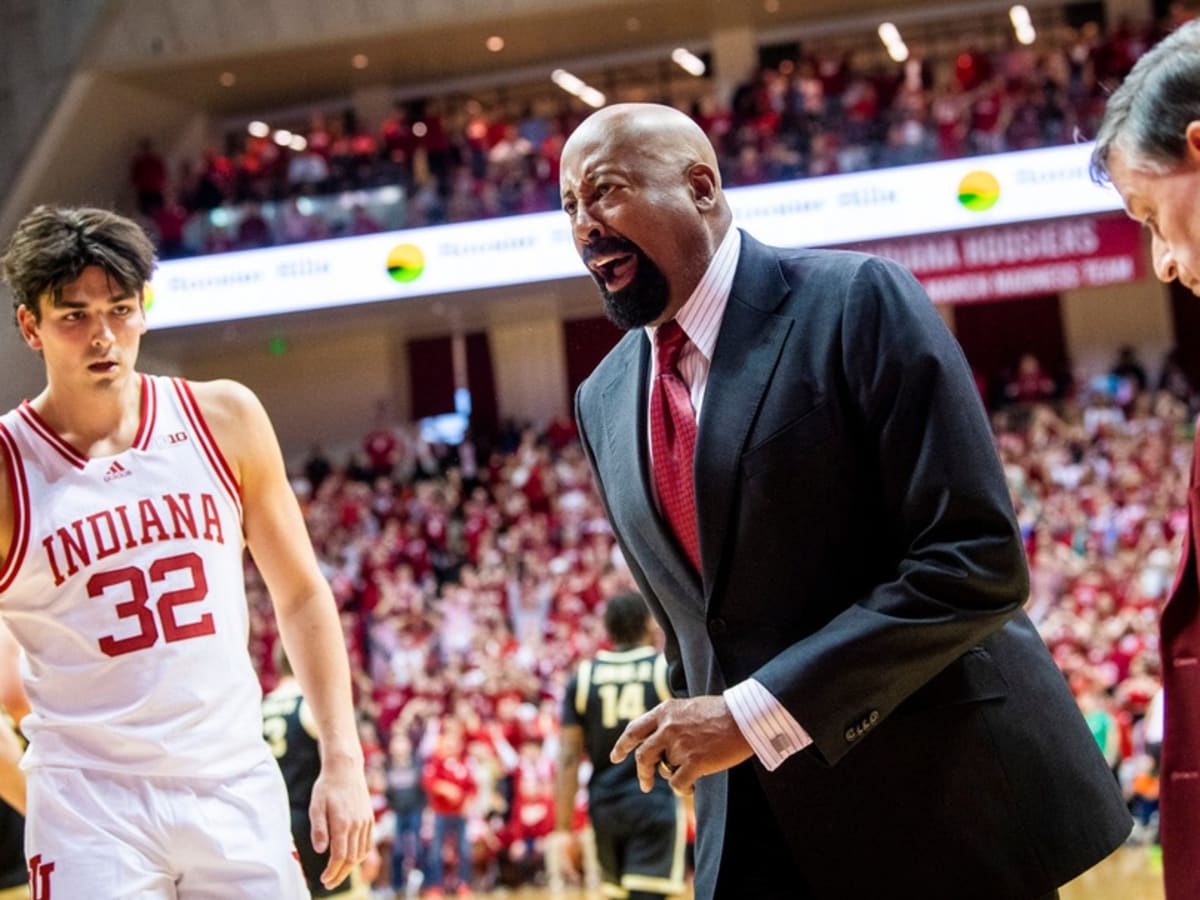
93 835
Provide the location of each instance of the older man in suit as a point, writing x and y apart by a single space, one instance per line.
794 459
1149 148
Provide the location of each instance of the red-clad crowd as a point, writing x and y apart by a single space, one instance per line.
448 160
1100 490
468 593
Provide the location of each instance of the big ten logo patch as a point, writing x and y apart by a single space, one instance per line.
39 878
173 439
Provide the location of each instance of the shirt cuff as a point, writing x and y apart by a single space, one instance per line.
769 728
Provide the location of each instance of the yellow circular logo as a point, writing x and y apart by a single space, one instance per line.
147 296
978 191
405 262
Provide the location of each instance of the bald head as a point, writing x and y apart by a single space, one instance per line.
654 131
641 185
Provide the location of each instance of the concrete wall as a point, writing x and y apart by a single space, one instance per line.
322 390
41 42
80 158
1097 321
527 357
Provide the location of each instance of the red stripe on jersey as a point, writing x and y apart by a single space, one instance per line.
149 413
212 452
18 489
50 436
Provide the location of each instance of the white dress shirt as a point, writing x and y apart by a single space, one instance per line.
770 729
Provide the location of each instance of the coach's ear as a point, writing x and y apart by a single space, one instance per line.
705 185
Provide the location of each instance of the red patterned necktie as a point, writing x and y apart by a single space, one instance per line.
673 440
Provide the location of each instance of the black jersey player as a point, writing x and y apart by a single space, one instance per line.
640 838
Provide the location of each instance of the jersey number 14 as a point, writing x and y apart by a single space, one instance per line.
621 702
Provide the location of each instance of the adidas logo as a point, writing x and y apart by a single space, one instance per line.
116 470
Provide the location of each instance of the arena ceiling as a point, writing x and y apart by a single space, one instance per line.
152 68
291 72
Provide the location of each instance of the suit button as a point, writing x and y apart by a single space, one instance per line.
716 626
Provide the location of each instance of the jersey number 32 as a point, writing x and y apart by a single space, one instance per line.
136 582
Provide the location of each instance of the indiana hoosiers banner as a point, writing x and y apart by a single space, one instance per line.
1012 261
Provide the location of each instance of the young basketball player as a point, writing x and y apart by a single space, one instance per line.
125 504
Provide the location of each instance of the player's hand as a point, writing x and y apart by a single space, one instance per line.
371 866
683 740
341 817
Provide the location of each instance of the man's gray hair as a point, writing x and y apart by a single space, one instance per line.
1147 116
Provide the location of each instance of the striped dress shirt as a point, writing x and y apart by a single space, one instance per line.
768 727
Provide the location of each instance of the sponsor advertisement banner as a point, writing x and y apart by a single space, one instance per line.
884 204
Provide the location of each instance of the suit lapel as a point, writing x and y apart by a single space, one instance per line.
747 351
628 482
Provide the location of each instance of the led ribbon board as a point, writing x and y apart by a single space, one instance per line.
882 204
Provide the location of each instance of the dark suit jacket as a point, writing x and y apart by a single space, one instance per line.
861 560
1180 771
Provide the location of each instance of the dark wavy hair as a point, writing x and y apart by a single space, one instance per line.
53 245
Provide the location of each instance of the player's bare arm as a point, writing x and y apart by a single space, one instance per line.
566 779
6 508
12 779
307 616
566 786
13 700
14 705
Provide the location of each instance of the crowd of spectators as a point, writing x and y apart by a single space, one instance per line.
467 593
819 113
1098 472
471 581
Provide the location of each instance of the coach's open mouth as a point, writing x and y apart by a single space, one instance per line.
615 271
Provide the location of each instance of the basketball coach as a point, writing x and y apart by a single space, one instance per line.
799 471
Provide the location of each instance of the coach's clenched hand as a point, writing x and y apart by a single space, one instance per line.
684 740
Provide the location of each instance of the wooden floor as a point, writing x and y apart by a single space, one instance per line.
1132 873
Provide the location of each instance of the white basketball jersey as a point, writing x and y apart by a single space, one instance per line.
124 585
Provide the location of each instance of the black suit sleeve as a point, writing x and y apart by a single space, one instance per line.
956 570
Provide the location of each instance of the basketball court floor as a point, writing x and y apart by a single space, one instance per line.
1132 873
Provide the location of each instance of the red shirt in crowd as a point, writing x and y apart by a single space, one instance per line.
448 784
